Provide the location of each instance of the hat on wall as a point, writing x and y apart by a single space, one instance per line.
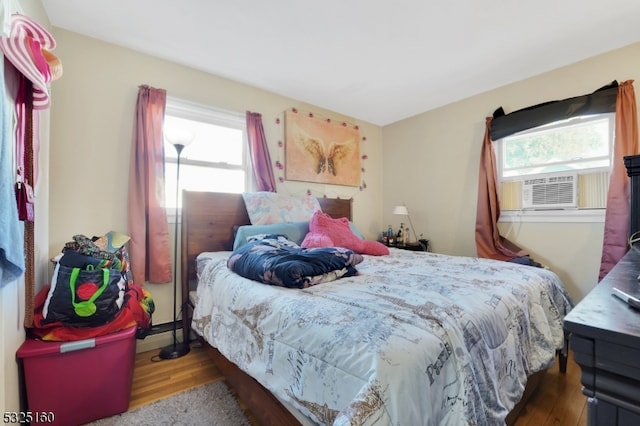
28 47
55 64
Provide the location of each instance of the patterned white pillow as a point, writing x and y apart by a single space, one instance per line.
265 208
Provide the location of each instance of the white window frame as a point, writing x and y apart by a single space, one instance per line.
554 215
188 110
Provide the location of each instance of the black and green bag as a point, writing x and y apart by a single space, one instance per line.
84 297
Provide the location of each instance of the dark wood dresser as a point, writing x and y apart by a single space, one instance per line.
605 339
604 334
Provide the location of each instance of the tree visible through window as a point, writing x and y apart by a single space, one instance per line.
582 146
576 144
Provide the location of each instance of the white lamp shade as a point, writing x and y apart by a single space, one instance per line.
401 210
178 135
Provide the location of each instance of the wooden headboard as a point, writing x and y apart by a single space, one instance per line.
208 221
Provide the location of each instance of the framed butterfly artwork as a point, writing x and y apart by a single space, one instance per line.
321 151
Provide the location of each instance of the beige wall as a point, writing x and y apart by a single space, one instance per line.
431 163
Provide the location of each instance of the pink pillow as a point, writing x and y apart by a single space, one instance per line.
325 231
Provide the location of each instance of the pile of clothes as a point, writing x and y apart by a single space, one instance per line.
92 292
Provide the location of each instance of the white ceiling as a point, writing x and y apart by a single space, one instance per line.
374 60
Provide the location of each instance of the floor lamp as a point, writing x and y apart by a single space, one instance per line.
176 349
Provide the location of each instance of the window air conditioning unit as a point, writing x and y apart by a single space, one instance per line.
550 192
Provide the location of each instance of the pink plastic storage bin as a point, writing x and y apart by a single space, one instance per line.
81 381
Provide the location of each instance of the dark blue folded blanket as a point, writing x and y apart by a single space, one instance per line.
273 259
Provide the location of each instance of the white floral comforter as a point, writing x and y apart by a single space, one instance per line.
414 338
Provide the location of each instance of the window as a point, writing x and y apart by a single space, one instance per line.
578 149
215 160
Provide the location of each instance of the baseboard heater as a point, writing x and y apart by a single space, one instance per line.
164 327
167 327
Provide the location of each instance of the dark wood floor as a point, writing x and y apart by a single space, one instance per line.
557 401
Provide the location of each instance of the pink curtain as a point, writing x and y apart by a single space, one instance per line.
259 152
489 242
616 225
149 245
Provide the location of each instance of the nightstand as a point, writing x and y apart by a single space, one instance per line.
423 245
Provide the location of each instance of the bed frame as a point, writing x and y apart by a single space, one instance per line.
208 221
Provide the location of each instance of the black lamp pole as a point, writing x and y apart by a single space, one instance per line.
176 349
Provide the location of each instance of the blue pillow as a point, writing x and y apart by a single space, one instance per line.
356 231
295 231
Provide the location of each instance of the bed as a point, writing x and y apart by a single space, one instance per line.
413 338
